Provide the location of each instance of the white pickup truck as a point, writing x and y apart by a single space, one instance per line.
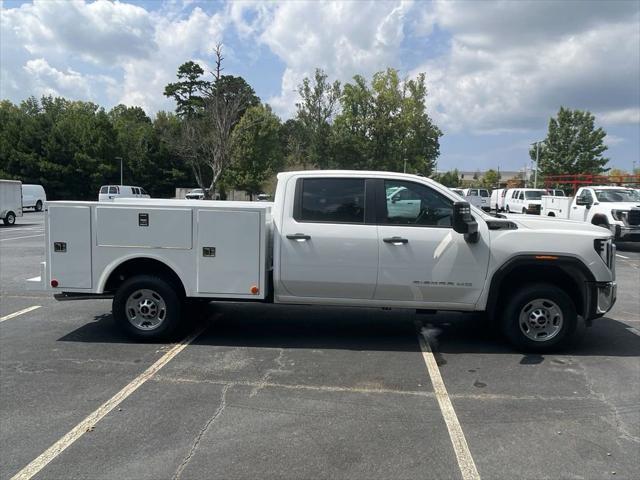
333 238
614 208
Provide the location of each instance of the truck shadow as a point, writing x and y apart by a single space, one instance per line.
293 327
628 246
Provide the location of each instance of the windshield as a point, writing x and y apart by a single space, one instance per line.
484 193
535 195
617 195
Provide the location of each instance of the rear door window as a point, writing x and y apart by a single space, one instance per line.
330 200
104 189
113 190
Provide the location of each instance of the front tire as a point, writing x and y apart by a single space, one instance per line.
10 219
508 211
524 211
38 206
147 307
539 317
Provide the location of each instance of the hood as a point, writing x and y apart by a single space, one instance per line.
618 205
535 222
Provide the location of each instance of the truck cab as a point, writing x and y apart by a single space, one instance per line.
614 208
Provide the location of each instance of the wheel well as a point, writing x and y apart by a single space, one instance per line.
146 266
528 273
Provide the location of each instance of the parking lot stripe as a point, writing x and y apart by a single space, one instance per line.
461 448
19 312
18 238
89 422
621 256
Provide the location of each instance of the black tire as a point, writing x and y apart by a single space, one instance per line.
508 211
523 302
10 219
166 299
38 206
524 211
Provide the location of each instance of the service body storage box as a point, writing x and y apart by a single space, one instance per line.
217 249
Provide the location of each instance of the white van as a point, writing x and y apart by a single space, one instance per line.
109 192
10 201
481 197
524 200
497 199
33 196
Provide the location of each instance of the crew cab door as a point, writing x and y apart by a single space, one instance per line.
422 259
327 249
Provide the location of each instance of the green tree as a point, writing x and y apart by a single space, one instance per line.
205 140
450 178
491 178
188 91
315 111
385 125
257 150
573 145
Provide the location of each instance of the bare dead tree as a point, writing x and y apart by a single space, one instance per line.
219 59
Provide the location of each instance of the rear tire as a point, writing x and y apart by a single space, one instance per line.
38 206
539 317
147 307
508 211
524 211
10 219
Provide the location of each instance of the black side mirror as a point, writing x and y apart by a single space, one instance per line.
583 202
463 221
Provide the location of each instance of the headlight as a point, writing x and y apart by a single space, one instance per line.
620 215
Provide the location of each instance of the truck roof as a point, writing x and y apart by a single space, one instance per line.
353 173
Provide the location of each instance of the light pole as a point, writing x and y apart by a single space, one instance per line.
535 177
120 158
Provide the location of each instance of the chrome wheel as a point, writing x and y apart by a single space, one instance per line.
146 309
540 320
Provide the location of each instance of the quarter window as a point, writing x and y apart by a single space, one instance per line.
409 203
104 189
331 200
113 190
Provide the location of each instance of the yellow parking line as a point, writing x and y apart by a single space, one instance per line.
88 423
461 448
19 312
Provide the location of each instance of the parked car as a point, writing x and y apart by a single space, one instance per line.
555 192
524 200
459 191
614 208
10 201
333 238
108 193
263 197
482 194
195 194
33 196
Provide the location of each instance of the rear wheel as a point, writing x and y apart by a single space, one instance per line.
508 211
147 307
10 218
39 206
539 317
524 211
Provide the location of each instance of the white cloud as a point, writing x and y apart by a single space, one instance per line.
511 65
343 38
136 52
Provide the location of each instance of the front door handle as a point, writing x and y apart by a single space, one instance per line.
299 237
395 240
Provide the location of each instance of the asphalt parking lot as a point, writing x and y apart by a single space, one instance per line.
266 391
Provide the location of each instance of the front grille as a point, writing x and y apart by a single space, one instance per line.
607 251
634 216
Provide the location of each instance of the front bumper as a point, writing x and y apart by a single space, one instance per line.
626 233
602 298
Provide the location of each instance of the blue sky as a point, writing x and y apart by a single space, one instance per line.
496 71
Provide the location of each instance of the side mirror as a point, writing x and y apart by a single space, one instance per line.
463 222
583 202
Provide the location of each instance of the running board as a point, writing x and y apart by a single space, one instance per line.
68 296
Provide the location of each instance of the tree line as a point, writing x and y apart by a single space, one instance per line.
221 136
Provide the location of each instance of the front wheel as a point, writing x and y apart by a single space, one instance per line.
147 307
524 211
39 206
539 317
508 211
10 219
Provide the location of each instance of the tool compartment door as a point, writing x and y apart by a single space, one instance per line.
229 252
70 246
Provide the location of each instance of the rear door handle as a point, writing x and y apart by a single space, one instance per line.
300 237
395 240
